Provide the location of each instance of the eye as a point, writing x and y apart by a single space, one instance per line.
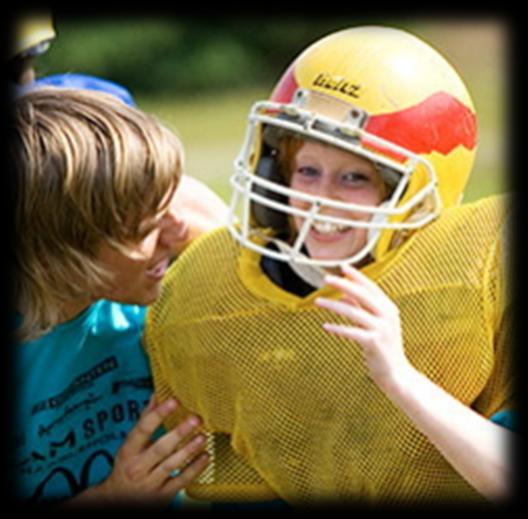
355 178
307 172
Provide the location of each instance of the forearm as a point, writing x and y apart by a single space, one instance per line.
95 495
104 495
477 448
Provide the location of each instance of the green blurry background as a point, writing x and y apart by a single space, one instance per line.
201 75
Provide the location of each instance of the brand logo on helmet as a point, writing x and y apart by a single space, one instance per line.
337 84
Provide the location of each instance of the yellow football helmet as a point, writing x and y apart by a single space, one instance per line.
381 93
32 34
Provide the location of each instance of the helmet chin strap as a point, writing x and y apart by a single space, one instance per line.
311 274
374 232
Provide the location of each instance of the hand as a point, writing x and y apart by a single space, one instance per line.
476 447
144 470
376 324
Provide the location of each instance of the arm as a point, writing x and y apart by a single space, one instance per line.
143 471
476 447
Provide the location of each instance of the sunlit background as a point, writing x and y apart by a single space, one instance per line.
200 77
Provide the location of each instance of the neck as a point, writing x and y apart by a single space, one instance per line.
73 309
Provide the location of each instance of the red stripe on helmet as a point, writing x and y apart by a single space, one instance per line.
440 123
286 87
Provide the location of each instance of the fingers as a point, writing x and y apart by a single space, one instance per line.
356 292
150 406
144 468
164 447
179 459
349 332
356 314
375 324
187 475
356 275
359 290
363 303
149 421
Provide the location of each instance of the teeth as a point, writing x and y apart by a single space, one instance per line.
328 228
159 268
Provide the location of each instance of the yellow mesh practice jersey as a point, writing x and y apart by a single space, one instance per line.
289 409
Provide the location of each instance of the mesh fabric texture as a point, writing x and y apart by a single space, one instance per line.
290 410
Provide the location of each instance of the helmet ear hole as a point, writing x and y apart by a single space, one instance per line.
268 169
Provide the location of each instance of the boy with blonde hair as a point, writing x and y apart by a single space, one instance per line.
95 186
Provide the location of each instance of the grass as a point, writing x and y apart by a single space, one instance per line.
212 129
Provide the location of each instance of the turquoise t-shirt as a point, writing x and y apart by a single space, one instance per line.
81 388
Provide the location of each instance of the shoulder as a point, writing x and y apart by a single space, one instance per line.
110 317
483 217
507 418
103 333
467 232
207 265
213 250
101 318
206 273
459 249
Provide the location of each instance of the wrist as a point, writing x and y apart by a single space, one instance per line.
401 382
102 492
96 494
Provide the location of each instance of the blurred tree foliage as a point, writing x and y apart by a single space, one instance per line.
165 55
221 64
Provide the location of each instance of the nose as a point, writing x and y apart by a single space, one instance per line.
329 188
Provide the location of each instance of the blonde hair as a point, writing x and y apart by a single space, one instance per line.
87 170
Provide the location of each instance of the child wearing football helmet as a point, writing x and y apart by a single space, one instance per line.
346 337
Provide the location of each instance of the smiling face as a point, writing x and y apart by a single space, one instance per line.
329 172
136 275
